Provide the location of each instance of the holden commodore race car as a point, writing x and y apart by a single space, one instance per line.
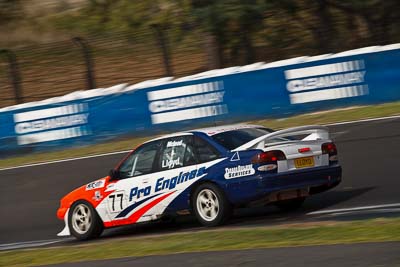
206 172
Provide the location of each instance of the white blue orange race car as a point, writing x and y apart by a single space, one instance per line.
206 172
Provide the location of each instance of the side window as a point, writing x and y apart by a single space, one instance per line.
140 162
205 152
177 152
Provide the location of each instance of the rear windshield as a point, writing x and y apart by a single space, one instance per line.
235 138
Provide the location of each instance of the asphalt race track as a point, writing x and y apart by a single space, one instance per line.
362 255
369 153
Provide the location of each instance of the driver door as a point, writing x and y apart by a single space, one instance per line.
136 173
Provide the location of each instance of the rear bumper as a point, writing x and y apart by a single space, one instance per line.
315 178
314 181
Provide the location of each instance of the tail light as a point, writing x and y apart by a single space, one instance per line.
269 160
331 150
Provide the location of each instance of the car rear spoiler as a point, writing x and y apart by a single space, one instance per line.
313 132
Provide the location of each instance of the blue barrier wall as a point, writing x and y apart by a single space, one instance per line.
279 89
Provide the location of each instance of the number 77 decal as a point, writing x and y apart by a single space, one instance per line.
116 202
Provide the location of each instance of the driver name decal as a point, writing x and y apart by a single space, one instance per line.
171 163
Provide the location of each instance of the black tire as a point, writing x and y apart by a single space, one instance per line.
221 214
290 204
88 228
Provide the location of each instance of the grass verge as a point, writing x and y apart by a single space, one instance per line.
376 230
325 117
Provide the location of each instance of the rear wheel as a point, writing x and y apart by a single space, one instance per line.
290 204
210 205
83 221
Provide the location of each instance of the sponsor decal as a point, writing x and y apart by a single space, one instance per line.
239 171
137 192
235 156
95 184
166 183
187 102
51 124
97 196
184 102
326 82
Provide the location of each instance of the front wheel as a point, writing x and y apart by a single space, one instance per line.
210 205
83 221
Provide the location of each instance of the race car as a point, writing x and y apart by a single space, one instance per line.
207 173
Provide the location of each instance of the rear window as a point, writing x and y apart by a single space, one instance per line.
235 138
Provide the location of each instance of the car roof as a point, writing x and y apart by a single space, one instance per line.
210 131
168 136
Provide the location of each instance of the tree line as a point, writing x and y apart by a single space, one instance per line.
233 31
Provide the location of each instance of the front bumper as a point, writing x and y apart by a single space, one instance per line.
61 212
65 231
259 186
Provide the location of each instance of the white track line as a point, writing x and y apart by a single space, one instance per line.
375 211
319 212
65 160
121 152
31 244
363 120
381 208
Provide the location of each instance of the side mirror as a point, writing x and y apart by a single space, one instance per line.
114 174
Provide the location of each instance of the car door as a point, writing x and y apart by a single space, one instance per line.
183 161
136 174
177 166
